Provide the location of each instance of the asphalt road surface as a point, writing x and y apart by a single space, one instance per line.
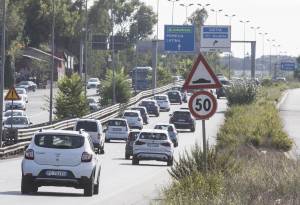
120 182
37 105
290 114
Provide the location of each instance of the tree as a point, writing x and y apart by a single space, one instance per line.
164 76
70 101
123 88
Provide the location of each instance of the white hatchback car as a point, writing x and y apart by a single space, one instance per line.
117 129
134 119
61 158
163 102
93 83
94 128
23 92
153 144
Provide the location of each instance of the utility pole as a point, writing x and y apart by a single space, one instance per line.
173 2
52 63
113 55
85 47
2 67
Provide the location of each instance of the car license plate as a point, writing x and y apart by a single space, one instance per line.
56 173
152 145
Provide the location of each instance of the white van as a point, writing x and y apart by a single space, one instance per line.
117 129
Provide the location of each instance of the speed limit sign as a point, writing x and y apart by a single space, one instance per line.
203 105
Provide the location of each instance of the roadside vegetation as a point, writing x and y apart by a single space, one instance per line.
248 164
70 101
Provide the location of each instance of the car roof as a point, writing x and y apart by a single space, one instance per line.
161 95
164 124
86 119
139 107
154 131
66 132
14 111
122 119
182 111
132 111
148 100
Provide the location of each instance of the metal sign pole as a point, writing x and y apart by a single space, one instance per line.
204 146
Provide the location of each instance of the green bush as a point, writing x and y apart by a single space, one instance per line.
241 93
70 101
123 88
164 76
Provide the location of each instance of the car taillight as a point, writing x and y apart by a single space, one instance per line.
86 157
166 144
29 154
139 143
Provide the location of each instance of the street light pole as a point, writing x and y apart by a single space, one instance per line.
263 48
2 66
270 55
244 62
216 12
85 47
52 62
186 10
173 3
113 55
255 31
230 53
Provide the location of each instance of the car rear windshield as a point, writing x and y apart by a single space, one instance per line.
17 121
130 114
173 94
160 97
147 103
87 126
116 123
59 141
153 136
182 114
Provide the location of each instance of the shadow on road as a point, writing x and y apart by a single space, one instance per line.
56 194
144 165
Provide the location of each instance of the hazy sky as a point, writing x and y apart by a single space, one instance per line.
280 19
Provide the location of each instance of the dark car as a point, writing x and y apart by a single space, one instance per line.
175 96
143 112
221 92
133 134
151 107
183 119
182 91
28 85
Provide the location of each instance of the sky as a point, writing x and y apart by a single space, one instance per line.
280 19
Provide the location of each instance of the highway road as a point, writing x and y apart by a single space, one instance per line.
37 102
290 114
120 182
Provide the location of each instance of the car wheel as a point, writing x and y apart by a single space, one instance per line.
170 162
193 129
135 161
107 140
102 150
157 115
89 187
127 156
218 97
96 186
26 185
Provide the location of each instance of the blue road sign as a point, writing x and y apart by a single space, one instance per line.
288 66
179 38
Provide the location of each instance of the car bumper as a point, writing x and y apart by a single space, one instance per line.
181 125
116 136
166 156
29 167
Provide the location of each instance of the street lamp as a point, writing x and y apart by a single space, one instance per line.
216 12
229 56
276 46
173 2
270 55
244 62
263 48
186 10
204 6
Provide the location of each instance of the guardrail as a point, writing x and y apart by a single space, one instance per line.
104 115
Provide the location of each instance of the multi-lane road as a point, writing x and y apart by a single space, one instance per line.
120 183
36 108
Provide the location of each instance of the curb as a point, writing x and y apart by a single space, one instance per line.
282 99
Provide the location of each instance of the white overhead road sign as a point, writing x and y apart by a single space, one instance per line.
215 39
201 76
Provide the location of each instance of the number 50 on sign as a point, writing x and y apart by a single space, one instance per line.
203 105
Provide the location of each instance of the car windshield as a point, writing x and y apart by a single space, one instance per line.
93 80
91 100
160 97
17 121
7 114
153 136
59 141
182 114
116 123
130 114
87 126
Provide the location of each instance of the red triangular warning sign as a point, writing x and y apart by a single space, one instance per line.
201 76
